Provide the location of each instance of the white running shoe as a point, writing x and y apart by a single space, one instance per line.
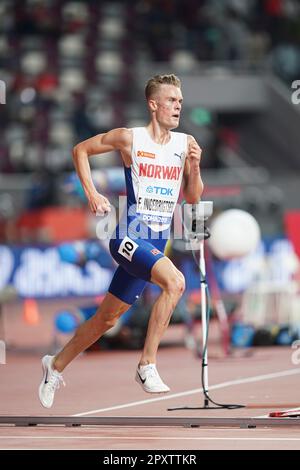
51 381
149 379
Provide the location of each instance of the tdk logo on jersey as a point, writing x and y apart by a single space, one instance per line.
159 190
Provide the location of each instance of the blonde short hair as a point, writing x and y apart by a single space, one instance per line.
154 83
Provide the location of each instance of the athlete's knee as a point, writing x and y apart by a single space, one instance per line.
110 318
175 284
180 283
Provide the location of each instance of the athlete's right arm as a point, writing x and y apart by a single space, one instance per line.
116 139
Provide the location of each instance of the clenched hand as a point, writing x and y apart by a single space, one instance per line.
99 204
194 153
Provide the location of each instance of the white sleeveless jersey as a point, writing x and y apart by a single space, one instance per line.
153 180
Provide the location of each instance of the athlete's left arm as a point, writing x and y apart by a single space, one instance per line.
192 182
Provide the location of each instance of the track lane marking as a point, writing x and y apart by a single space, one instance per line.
164 438
257 378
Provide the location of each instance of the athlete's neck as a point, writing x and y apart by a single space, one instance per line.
159 134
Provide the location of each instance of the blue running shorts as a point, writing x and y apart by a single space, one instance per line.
136 258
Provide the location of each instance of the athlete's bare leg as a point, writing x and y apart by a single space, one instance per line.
105 318
172 282
166 276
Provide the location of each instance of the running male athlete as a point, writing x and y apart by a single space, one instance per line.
156 161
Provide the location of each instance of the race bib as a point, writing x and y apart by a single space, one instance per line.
156 203
127 248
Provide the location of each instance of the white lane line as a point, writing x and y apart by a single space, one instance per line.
257 378
151 438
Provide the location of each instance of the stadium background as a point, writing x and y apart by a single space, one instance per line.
75 69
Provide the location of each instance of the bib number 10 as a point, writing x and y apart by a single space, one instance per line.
127 248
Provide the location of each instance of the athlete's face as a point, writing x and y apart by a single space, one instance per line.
167 104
